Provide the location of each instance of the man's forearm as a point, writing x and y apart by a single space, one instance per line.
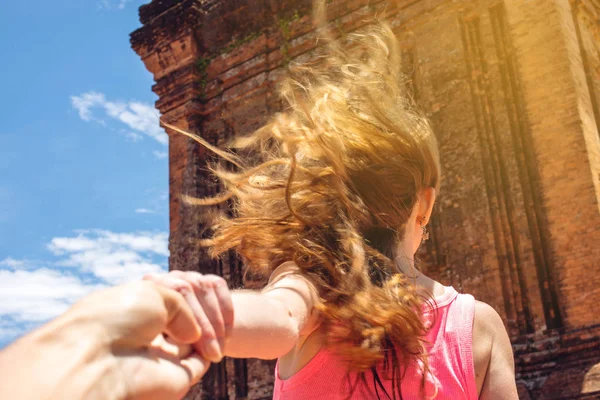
263 327
53 356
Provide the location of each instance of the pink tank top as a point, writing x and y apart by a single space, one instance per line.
452 373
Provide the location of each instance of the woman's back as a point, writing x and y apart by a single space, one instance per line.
449 346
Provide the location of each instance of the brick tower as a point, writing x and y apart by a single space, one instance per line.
512 88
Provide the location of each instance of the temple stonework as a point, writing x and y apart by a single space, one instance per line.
512 88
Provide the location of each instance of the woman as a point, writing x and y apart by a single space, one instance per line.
332 207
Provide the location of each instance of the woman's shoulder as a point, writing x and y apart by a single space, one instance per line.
489 337
487 320
284 269
485 323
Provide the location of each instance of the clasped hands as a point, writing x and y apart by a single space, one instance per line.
146 340
209 299
198 321
192 339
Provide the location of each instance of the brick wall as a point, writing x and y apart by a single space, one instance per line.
512 90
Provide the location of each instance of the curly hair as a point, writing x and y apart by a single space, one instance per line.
330 185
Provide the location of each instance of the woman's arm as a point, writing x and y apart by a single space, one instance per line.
268 324
492 351
247 324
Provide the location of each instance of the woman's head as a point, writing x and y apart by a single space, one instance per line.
346 172
350 125
349 111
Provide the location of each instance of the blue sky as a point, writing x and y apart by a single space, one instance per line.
83 163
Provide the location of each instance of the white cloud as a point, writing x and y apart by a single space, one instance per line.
156 202
113 257
32 292
60 246
84 103
161 155
134 137
110 5
144 211
31 296
140 117
12 263
122 4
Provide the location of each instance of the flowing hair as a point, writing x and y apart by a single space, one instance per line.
329 185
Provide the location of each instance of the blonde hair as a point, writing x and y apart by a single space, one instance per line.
331 183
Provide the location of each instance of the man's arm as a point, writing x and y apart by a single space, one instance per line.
63 357
109 346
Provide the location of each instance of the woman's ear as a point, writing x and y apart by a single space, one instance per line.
426 201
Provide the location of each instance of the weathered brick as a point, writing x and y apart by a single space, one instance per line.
512 89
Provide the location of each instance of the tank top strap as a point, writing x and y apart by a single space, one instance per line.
462 315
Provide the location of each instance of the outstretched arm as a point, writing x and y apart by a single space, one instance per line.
262 324
269 323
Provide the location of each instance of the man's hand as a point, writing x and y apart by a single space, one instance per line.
110 345
210 301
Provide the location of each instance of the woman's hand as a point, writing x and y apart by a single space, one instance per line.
210 300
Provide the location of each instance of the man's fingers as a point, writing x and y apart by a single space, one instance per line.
207 345
163 345
205 286
181 322
210 301
159 376
196 367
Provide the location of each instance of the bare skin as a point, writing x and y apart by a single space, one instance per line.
493 356
109 346
492 351
286 309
